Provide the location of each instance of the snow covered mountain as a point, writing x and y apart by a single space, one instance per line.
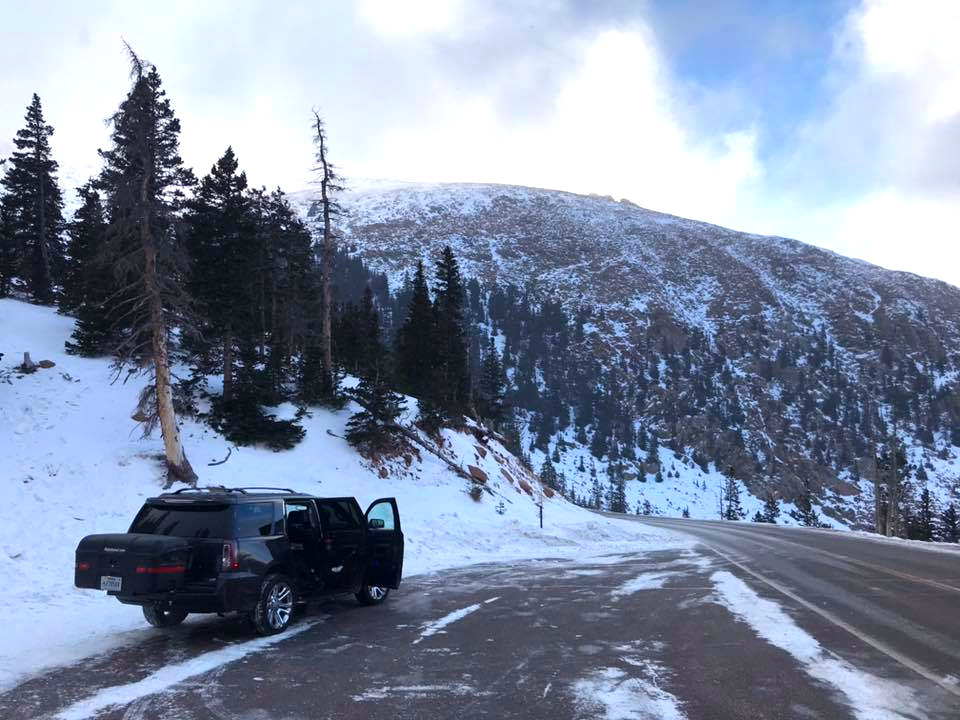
783 363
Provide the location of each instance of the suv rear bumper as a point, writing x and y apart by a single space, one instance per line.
232 592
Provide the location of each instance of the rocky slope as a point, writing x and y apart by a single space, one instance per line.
782 363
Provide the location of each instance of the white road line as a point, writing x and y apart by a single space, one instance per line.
830 617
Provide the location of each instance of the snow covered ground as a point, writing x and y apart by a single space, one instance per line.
72 463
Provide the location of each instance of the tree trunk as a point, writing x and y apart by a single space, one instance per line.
893 494
42 240
326 263
178 467
228 366
879 517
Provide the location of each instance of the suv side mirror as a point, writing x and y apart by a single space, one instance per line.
376 524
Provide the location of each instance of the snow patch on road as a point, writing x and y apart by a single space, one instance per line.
870 697
647 581
170 675
612 694
432 628
412 691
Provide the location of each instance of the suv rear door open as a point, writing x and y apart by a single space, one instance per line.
385 543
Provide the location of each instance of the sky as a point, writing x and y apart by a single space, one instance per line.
836 122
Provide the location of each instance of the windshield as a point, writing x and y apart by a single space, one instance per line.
187 522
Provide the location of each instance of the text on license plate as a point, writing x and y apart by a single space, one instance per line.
110 583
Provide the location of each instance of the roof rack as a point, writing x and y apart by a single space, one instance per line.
288 491
208 489
223 489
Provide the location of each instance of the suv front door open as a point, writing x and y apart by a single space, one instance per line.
385 543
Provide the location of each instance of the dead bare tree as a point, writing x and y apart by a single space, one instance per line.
330 185
143 180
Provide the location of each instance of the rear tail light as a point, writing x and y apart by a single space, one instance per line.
161 569
228 557
83 566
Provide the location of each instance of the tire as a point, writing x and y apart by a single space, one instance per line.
372 595
274 610
161 616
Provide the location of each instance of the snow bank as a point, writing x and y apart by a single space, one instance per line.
72 463
869 697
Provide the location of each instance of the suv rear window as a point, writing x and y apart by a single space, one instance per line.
206 521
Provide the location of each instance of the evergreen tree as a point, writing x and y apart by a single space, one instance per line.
285 282
923 525
548 474
771 509
415 352
372 428
949 530
85 239
221 243
492 388
32 209
88 282
142 183
617 495
596 494
733 509
805 514
451 376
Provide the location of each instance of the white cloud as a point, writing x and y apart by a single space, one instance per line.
405 18
611 129
877 174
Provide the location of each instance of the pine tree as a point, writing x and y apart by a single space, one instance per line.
222 252
88 281
617 495
142 182
372 428
415 351
733 509
548 474
949 530
285 282
32 209
451 375
771 509
923 526
372 351
8 249
805 514
492 388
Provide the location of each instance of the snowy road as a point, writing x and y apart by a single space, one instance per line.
675 634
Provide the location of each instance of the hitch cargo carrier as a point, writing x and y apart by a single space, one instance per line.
132 563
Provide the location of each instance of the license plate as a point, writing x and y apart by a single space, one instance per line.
110 583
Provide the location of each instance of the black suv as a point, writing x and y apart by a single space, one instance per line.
258 551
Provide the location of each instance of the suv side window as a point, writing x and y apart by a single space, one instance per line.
298 516
257 520
339 515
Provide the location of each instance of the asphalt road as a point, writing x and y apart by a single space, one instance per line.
641 635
